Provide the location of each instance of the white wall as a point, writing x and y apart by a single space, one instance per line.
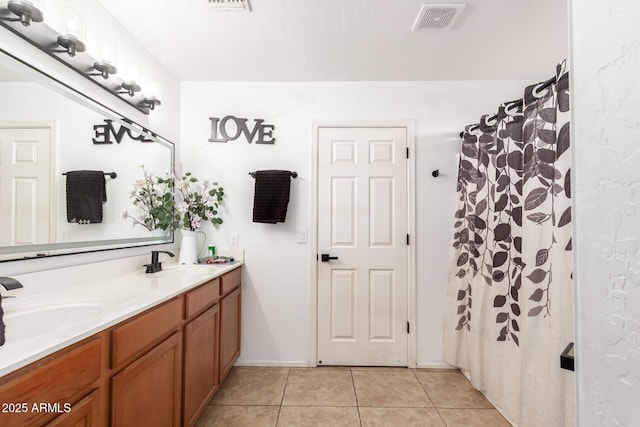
277 284
164 120
605 55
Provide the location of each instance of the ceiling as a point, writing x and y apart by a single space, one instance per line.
309 40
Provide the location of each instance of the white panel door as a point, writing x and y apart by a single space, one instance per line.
362 220
25 177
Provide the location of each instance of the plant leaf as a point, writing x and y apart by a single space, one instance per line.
542 256
537 295
565 218
535 198
538 217
535 311
499 258
537 276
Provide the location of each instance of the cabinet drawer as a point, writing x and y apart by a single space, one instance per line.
230 281
138 334
202 297
59 379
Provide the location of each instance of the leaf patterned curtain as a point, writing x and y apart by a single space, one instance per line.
510 295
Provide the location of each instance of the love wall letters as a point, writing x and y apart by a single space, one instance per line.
263 133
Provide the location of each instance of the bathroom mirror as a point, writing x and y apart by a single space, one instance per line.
48 130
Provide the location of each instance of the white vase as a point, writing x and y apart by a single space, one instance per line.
188 252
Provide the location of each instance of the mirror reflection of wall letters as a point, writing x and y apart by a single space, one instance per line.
47 130
103 133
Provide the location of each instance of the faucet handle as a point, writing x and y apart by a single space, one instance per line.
9 283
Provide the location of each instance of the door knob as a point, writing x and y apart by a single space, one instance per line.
327 258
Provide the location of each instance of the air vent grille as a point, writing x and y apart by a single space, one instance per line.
226 5
437 16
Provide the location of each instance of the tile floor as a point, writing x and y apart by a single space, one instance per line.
300 397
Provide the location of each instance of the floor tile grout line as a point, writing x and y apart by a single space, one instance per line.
355 394
430 399
424 389
284 390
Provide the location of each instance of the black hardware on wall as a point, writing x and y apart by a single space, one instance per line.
111 175
293 174
435 173
567 358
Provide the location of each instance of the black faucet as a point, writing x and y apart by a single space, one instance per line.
9 283
156 266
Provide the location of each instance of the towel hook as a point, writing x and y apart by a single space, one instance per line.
435 173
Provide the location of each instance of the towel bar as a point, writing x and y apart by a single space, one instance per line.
112 175
293 174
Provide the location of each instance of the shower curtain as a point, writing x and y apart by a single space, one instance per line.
510 298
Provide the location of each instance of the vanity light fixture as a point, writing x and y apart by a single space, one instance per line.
26 12
104 68
71 44
151 101
130 87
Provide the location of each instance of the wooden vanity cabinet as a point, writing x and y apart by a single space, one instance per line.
230 325
159 368
201 379
201 349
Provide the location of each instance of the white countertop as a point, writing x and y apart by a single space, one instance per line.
46 317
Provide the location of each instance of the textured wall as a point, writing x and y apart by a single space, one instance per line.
606 140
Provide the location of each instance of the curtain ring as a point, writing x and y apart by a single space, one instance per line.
508 106
535 92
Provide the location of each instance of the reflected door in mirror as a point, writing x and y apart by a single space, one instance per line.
25 181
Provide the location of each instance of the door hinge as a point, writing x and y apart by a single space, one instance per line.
407 152
407 240
408 329
316 257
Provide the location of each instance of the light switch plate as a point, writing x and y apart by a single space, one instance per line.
302 235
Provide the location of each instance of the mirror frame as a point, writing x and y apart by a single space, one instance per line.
76 95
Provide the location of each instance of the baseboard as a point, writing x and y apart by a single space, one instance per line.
303 364
274 363
434 366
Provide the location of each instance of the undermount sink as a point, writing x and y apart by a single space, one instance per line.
34 321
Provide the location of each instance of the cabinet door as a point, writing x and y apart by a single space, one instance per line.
63 377
83 414
229 331
200 363
147 392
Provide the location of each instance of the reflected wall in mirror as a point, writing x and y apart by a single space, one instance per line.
47 130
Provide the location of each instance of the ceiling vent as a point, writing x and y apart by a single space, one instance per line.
437 16
230 5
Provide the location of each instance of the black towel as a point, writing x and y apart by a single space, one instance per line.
85 194
271 196
1 324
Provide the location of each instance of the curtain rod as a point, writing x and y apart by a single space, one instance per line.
516 103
